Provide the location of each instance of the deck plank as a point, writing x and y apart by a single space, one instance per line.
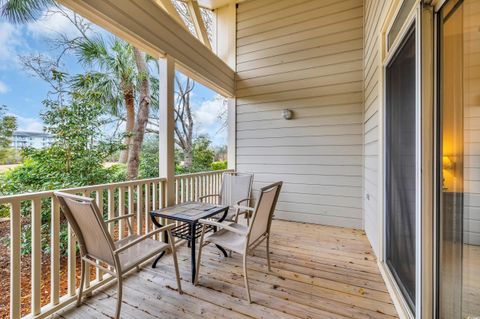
317 272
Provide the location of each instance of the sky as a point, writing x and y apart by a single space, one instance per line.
23 93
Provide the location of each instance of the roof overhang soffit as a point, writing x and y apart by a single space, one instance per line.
147 26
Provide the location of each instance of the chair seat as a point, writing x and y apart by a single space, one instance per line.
139 252
230 240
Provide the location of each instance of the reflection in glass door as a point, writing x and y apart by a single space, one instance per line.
459 158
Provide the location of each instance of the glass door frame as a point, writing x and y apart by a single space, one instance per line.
421 18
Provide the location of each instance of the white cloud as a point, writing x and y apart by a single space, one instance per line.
29 124
3 88
10 42
53 23
209 111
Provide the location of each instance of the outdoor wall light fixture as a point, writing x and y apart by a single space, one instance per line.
287 114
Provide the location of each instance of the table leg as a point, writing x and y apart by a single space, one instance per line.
215 229
165 239
192 245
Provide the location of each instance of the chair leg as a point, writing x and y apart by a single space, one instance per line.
119 296
199 258
268 252
82 282
175 262
245 276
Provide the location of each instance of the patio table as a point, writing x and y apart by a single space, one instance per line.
189 213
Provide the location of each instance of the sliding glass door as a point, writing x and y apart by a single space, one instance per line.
459 160
400 165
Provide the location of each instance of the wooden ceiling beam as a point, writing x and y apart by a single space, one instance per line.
198 22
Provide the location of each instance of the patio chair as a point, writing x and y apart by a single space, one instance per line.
235 191
97 245
243 239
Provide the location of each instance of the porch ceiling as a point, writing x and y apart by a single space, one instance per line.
149 27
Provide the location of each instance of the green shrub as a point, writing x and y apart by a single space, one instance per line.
219 165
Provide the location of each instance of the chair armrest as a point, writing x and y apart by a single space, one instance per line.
222 225
142 238
206 196
111 220
242 200
240 207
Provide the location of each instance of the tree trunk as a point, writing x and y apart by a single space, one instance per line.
142 116
130 123
188 158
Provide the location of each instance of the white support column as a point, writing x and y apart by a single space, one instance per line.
167 126
225 44
232 134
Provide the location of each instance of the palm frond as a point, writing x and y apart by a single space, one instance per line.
21 11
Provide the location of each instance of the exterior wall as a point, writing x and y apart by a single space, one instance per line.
306 56
375 14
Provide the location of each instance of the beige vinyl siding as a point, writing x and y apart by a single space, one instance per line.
304 55
375 12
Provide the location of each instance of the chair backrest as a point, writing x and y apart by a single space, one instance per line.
87 222
235 187
263 214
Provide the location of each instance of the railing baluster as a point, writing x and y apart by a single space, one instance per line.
121 211
154 206
72 266
131 207
140 206
182 190
55 252
36 220
177 189
86 265
15 253
99 200
111 208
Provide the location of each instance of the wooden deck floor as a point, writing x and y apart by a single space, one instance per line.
318 272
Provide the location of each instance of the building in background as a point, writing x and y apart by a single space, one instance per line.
21 139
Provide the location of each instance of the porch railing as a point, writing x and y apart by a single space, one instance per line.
116 199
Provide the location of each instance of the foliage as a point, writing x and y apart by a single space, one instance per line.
75 158
21 11
149 161
8 124
203 155
219 165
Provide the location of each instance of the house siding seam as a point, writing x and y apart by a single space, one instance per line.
306 56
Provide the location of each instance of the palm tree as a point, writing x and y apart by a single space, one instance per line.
21 11
123 72
114 80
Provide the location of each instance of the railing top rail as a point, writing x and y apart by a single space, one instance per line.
42 194
204 173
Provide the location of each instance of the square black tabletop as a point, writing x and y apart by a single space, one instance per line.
189 211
